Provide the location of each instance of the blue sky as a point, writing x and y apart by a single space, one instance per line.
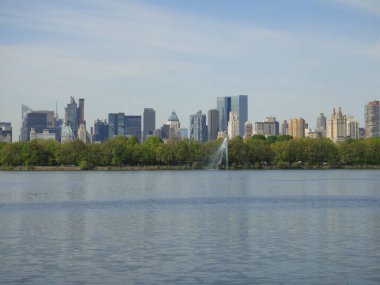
292 58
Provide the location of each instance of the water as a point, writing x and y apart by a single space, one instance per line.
190 227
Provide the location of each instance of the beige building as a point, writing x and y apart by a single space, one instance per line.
233 125
337 126
248 130
297 127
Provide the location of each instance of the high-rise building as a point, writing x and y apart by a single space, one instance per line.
224 107
297 127
372 119
172 128
100 130
248 130
133 126
40 121
352 128
285 128
82 133
239 104
74 115
5 132
149 122
270 127
321 124
198 127
337 126
24 129
116 124
233 125
213 124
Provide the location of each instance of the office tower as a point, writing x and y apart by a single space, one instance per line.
321 124
224 107
270 127
361 133
184 133
337 126
133 126
24 129
248 130
100 130
285 128
212 124
239 104
198 127
81 112
233 125
71 115
171 129
5 132
352 127
149 122
42 122
372 119
67 134
297 127
116 124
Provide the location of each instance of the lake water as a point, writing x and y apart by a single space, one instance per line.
190 227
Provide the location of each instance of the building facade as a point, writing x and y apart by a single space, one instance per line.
321 125
372 119
116 124
198 127
270 127
149 124
297 127
233 125
5 132
212 124
100 130
224 107
239 104
248 130
337 126
133 126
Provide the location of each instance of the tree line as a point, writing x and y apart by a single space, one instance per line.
255 152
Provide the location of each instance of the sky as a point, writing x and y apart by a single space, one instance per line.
292 58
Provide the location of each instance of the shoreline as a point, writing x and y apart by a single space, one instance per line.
184 167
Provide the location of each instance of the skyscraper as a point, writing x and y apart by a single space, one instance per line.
133 126
337 126
224 107
81 112
71 116
233 125
5 132
198 127
149 122
100 130
239 104
248 130
116 124
285 128
212 124
297 127
270 127
321 124
372 119
352 128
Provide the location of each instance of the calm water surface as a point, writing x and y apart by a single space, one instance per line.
190 227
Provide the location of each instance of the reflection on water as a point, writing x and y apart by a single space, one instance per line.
191 227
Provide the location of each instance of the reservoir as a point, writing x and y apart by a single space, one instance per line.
190 227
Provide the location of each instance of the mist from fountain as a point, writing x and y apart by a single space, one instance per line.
221 153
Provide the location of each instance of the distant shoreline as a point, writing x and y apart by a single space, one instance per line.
182 167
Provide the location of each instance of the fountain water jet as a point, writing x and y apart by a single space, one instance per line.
222 151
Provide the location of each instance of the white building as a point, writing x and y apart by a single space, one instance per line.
233 125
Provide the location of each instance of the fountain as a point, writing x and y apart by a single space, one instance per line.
222 151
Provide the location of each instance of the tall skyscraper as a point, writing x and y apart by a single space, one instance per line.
100 130
297 127
372 119
71 116
213 124
321 124
337 126
133 126
224 107
239 104
352 128
81 112
233 125
198 127
116 124
149 122
285 128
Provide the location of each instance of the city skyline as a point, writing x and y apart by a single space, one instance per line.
293 59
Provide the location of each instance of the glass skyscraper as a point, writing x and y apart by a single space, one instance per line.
239 104
224 107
